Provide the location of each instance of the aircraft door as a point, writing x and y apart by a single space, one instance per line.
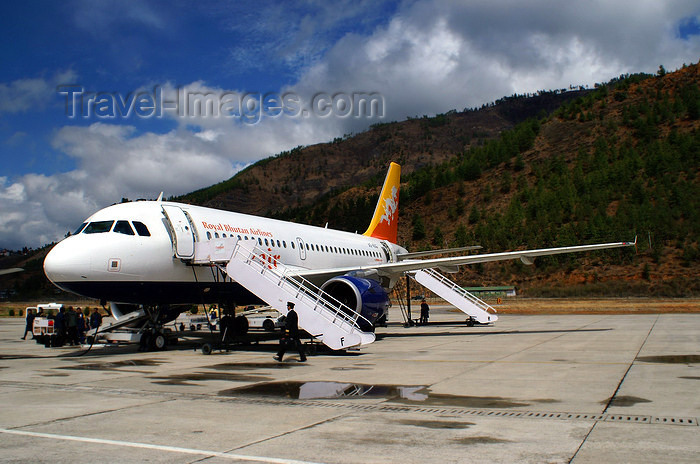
182 231
302 248
388 253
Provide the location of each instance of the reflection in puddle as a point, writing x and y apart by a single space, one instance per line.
187 379
671 359
414 395
318 390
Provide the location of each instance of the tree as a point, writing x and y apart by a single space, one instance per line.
438 237
418 228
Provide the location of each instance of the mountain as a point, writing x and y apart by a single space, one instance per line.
554 169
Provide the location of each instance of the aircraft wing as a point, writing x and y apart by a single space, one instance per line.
452 263
12 270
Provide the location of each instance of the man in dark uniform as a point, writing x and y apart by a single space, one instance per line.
71 326
95 319
59 324
291 327
424 312
30 324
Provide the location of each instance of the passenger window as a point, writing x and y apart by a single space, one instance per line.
266 244
259 241
239 237
216 235
80 229
141 229
98 227
284 244
123 227
293 247
223 235
208 235
278 244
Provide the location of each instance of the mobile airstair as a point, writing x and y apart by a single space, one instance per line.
322 316
476 309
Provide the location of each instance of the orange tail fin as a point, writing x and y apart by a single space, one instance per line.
385 221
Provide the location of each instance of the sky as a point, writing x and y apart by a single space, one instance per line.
108 99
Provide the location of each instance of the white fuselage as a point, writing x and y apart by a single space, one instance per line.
115 259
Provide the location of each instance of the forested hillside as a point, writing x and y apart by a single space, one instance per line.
611 164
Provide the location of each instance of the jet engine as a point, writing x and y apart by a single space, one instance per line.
365 296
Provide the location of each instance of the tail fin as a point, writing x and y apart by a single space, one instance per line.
385 221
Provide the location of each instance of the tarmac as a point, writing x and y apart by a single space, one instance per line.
555 389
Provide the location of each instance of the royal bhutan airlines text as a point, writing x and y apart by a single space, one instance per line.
236 230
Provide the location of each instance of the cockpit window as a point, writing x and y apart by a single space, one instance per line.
98 227
80 229
141 229
123 227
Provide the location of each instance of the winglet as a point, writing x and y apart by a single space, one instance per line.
385 221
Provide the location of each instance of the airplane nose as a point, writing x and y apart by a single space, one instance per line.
65 263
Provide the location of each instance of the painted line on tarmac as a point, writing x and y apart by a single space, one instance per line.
173 449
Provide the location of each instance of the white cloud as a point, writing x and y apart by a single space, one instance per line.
24 95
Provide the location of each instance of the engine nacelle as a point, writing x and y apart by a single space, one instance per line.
366 296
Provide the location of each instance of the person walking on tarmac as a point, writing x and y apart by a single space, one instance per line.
291 337
424 312
30 324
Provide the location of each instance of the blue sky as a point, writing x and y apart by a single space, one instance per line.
419 57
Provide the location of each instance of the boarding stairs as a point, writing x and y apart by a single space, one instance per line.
322 316
469 304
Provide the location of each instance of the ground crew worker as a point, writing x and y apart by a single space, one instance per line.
30 324
95 319
424 312
71 326
291 337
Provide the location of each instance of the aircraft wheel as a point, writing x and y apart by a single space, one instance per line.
206 348
159 341
268 325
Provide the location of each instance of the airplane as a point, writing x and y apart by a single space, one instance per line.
165 256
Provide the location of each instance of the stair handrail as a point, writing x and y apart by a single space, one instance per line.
303 290
459 290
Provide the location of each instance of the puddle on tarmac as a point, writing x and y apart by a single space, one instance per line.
436 424
689 378
625 401
9 356
249 366
187 379
351 368
671 359
116 365
413 395
480 441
